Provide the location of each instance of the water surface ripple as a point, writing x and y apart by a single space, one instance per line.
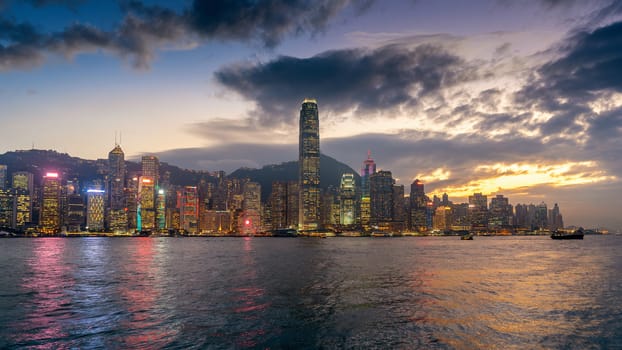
398 293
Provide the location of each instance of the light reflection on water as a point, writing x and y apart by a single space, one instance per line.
505 292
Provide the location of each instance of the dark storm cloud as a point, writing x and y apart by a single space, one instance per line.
144 28
588 69
341 80
267 21
68 3
592 63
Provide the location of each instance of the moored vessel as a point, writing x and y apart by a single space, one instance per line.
578 234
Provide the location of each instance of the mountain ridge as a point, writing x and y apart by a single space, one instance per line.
39 162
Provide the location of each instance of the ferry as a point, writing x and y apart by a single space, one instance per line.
466 237
578 234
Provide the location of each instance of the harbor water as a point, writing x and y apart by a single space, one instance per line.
308 293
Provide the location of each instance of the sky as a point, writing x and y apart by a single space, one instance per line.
519 98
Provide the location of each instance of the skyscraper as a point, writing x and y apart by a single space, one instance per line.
309 165
556 220
95 209
146 208
368 169
347 200
251 208
418 207
279 205
23 180
151 168
117 215
398 211
541 216
381 198
6 208
23 185
3 174
478 212
50 204
500 213
189 209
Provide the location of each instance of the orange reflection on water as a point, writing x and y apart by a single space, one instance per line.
48 282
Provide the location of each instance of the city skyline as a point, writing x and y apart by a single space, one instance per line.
461 97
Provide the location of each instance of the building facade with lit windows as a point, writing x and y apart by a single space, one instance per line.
418 207
347 200
3 177
117 218
151 168
188 200
368 169
6 208
146 208
250 220
50 212
309 165
478 212
500 213
22 183
442 218
381 198
95 209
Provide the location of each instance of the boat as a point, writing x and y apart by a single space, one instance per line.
284 232
578 234
467 237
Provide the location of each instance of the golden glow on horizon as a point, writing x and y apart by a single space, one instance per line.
520 176
439 174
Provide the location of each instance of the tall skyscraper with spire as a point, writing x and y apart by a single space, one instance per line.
117 215
309 165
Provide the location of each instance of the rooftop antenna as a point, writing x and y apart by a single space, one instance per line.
120 137
368 154
115 138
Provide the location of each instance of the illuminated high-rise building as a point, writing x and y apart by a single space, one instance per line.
500 213
329 208
116 213
151 168
381 197
251 209
50 213
309 165
442 218
3 177
146 208
478 212
347 200
418 207
23 181
520 215
541 216
23 187
368 169
74 218
556 220
189 209
278 205
399 210
161 210
131 201
95 209
6 208
293 204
